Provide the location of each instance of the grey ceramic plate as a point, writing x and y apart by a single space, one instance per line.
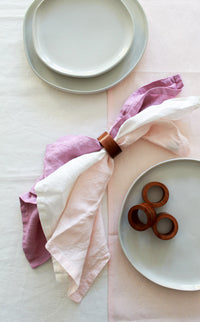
91 84
82 38
174 263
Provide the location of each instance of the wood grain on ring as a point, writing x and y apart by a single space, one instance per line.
109 144
134 220
164 198
172 232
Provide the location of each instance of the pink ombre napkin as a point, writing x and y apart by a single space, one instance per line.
70 147
69 199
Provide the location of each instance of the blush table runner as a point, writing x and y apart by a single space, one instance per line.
132 297
140 298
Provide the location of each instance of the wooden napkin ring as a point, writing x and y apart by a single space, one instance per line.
134 220
109 144
172 232
164 198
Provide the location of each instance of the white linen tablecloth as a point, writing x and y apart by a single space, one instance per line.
33 114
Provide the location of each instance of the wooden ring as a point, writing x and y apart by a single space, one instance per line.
109 144
164 198
134 220
172 232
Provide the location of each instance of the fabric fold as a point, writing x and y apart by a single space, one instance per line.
70 147
151 94
64 201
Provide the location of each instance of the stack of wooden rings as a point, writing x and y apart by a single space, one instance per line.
148 208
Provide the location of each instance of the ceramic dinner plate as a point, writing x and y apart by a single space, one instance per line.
171 263
90 84
82 38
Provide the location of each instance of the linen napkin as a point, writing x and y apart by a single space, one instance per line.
69 199
70 147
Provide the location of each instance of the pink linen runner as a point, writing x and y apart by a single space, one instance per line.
69 147
132 297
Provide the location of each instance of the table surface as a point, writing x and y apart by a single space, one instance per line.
33 114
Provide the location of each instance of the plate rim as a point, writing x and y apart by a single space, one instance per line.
74 90
61 69
173 286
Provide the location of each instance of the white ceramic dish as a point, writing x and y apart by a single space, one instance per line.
82 38
174 263
90 84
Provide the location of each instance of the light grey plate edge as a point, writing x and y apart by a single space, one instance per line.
166 285
30 11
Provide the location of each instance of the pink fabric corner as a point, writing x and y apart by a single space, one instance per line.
152 94
81 229
58 153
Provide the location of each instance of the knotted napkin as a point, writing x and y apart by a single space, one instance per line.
69 199
70 147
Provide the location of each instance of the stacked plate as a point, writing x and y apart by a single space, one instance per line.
84 46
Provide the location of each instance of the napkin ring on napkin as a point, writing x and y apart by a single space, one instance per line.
164 198
111 146
173 231
134 220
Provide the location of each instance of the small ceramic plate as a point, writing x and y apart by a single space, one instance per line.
90 84
82 38
171 263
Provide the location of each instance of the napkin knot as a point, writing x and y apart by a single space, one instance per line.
110 145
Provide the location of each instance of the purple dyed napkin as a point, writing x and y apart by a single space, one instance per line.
69 147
